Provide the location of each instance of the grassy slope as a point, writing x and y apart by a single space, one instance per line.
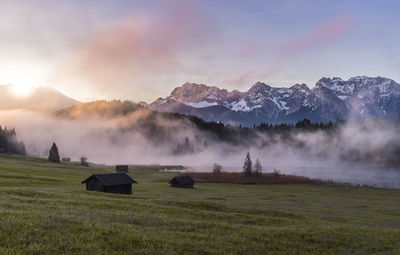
45 210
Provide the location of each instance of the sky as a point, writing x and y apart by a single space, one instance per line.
142 49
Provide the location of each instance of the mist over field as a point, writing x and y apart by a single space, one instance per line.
356 152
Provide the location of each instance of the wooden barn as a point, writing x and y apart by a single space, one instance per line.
120 183
182 181
122 168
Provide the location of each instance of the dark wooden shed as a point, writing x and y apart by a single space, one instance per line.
122 168
182 181
120 183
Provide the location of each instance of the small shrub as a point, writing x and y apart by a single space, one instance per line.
217 168
84 161
276 173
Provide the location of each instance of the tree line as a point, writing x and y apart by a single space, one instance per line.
54 156
248 168
9 142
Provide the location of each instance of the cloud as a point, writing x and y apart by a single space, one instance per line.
249 49
134 53
323 34
271 72
242 79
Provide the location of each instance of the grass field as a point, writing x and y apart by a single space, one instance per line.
45 210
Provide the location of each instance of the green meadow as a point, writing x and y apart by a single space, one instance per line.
44 209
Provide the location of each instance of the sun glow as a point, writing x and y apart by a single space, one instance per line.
21 87
21 90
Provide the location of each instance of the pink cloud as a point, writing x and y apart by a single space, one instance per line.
271 72
249 49
246 78
131 51
322 34
242 79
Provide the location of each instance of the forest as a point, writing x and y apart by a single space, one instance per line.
9 142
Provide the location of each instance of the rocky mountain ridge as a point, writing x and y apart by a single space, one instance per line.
329 100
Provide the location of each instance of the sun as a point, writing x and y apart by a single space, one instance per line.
21 89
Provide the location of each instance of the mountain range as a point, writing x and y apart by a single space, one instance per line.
330 99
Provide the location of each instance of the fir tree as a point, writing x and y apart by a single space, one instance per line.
54 156
247 166
257 168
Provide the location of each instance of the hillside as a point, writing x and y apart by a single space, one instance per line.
159 126
101 109
55 214
40 99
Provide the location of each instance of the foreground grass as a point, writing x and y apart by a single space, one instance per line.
45 210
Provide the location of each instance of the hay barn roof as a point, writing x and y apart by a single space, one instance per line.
122 167
111 179
183 179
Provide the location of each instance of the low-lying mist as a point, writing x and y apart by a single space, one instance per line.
355 152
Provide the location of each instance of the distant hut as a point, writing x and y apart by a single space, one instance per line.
122 168
120 183
66 159
2 150
182 181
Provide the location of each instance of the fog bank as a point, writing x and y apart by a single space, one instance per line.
338 156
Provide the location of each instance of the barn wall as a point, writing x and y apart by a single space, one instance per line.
122 168
120 189
94 185
182 185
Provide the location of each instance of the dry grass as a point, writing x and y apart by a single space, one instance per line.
266 178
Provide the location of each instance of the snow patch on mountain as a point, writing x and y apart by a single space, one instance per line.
201 104
281 104
240 106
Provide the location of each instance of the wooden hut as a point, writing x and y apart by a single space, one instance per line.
120 183
122 168
182 181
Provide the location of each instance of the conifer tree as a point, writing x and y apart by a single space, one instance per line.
54 156
247 166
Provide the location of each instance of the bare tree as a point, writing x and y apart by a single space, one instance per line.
257 168
217 168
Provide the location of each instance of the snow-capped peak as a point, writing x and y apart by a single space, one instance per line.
330 99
